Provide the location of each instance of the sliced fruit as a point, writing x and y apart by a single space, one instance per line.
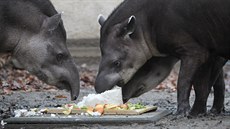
67 112
89 112
124 106
90 109
99 108
110 106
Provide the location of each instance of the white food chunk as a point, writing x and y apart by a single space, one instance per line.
113 96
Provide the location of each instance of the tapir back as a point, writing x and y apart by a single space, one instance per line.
207 21
15 19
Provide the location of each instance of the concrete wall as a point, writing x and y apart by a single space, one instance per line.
80 16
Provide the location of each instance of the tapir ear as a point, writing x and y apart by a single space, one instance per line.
129 27
101 19
51 23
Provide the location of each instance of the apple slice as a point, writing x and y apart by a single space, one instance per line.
99 108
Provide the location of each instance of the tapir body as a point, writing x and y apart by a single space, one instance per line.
32 32
192 31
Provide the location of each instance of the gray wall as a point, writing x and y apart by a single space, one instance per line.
80 16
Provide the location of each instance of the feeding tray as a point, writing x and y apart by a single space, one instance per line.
59 119
106 111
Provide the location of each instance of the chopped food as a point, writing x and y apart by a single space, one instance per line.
113 96
98 104
101 108
89 109
98 110
3 123
135 106
124 106
109 102
68 111
110 106
84 108
28 113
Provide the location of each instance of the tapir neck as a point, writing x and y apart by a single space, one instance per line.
15 20
122 12
148 45
10 38
14 38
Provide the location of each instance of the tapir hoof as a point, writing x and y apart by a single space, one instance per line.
217 111
194 114
182 112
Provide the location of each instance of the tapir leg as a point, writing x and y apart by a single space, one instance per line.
202 89
219 92
210 74
189 67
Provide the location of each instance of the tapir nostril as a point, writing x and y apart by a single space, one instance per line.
67 86
139 91
74 98
142 88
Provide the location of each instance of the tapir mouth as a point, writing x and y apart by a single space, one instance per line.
64 85
125 100
41 75
140 91
129 93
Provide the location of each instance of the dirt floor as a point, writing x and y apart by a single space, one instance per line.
32 96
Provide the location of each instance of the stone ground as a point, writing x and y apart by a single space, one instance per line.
163 98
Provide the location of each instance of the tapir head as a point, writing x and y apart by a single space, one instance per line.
44 53
121 53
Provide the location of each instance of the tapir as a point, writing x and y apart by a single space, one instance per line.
32 32
137 30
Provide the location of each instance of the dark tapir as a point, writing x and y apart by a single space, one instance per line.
140 29
33 32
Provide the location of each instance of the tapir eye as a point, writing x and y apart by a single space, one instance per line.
117 63
60 57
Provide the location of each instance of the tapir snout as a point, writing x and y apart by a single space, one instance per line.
151 74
